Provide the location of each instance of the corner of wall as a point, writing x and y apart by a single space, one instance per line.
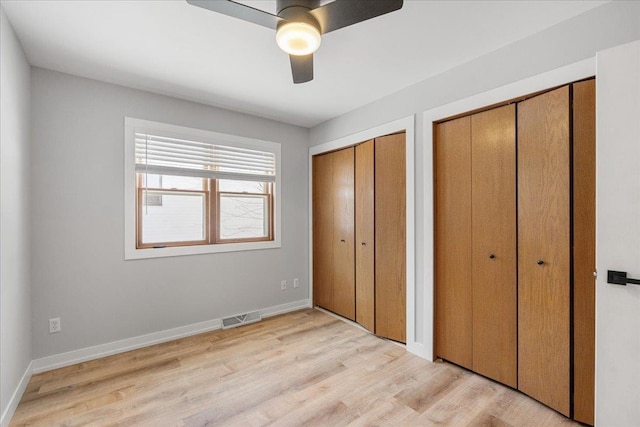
7 413
15 224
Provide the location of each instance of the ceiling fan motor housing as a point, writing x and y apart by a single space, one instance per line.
281 5
297 11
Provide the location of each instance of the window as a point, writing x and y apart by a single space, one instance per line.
191 191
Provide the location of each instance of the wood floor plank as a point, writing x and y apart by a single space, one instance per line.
303 368
431 390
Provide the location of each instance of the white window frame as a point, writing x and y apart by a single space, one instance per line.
130 250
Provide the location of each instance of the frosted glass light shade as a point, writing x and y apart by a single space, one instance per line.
298 38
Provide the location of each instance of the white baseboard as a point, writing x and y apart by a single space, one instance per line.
90 353
17 395
286 308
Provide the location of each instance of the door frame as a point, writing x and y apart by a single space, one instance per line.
406 124
617 235
563 75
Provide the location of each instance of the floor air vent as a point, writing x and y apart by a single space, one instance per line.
241 319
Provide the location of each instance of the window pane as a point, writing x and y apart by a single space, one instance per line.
243 217
233 186
171 182
151 180
179 217
182 182
150 198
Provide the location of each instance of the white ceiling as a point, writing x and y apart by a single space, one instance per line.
173 48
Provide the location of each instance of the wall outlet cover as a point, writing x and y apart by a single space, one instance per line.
55 325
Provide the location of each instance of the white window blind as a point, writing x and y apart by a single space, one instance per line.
163 155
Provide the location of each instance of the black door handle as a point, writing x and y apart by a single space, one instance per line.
492 256
540 262
620 278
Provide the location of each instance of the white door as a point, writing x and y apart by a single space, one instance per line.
618 236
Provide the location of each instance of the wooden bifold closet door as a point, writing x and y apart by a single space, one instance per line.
333 232
453 292
584 249
390 237
365 236
544 258
493 243
476 243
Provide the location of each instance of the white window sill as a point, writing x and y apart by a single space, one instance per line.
132 253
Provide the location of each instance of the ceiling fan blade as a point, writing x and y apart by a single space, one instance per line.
240 11
302 68
342 13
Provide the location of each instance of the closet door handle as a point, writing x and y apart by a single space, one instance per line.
492 256
342 241
364 243
540 262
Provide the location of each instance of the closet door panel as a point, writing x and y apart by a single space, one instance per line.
390 237
323 239
453 292
344 302
544 248
494 275
584 253
365 249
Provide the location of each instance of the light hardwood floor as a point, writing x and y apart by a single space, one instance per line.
303 368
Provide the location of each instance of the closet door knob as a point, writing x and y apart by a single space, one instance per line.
492 256
342 241
540 262
364 243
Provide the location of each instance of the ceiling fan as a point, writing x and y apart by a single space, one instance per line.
299 24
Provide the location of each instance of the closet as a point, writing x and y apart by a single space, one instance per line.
359 250
515 245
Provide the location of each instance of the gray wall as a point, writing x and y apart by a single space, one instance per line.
79 273
576 39
15 303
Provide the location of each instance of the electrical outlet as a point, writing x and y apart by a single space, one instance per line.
54 325
296 283
283 285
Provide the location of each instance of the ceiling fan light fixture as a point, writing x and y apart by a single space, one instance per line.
298 38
